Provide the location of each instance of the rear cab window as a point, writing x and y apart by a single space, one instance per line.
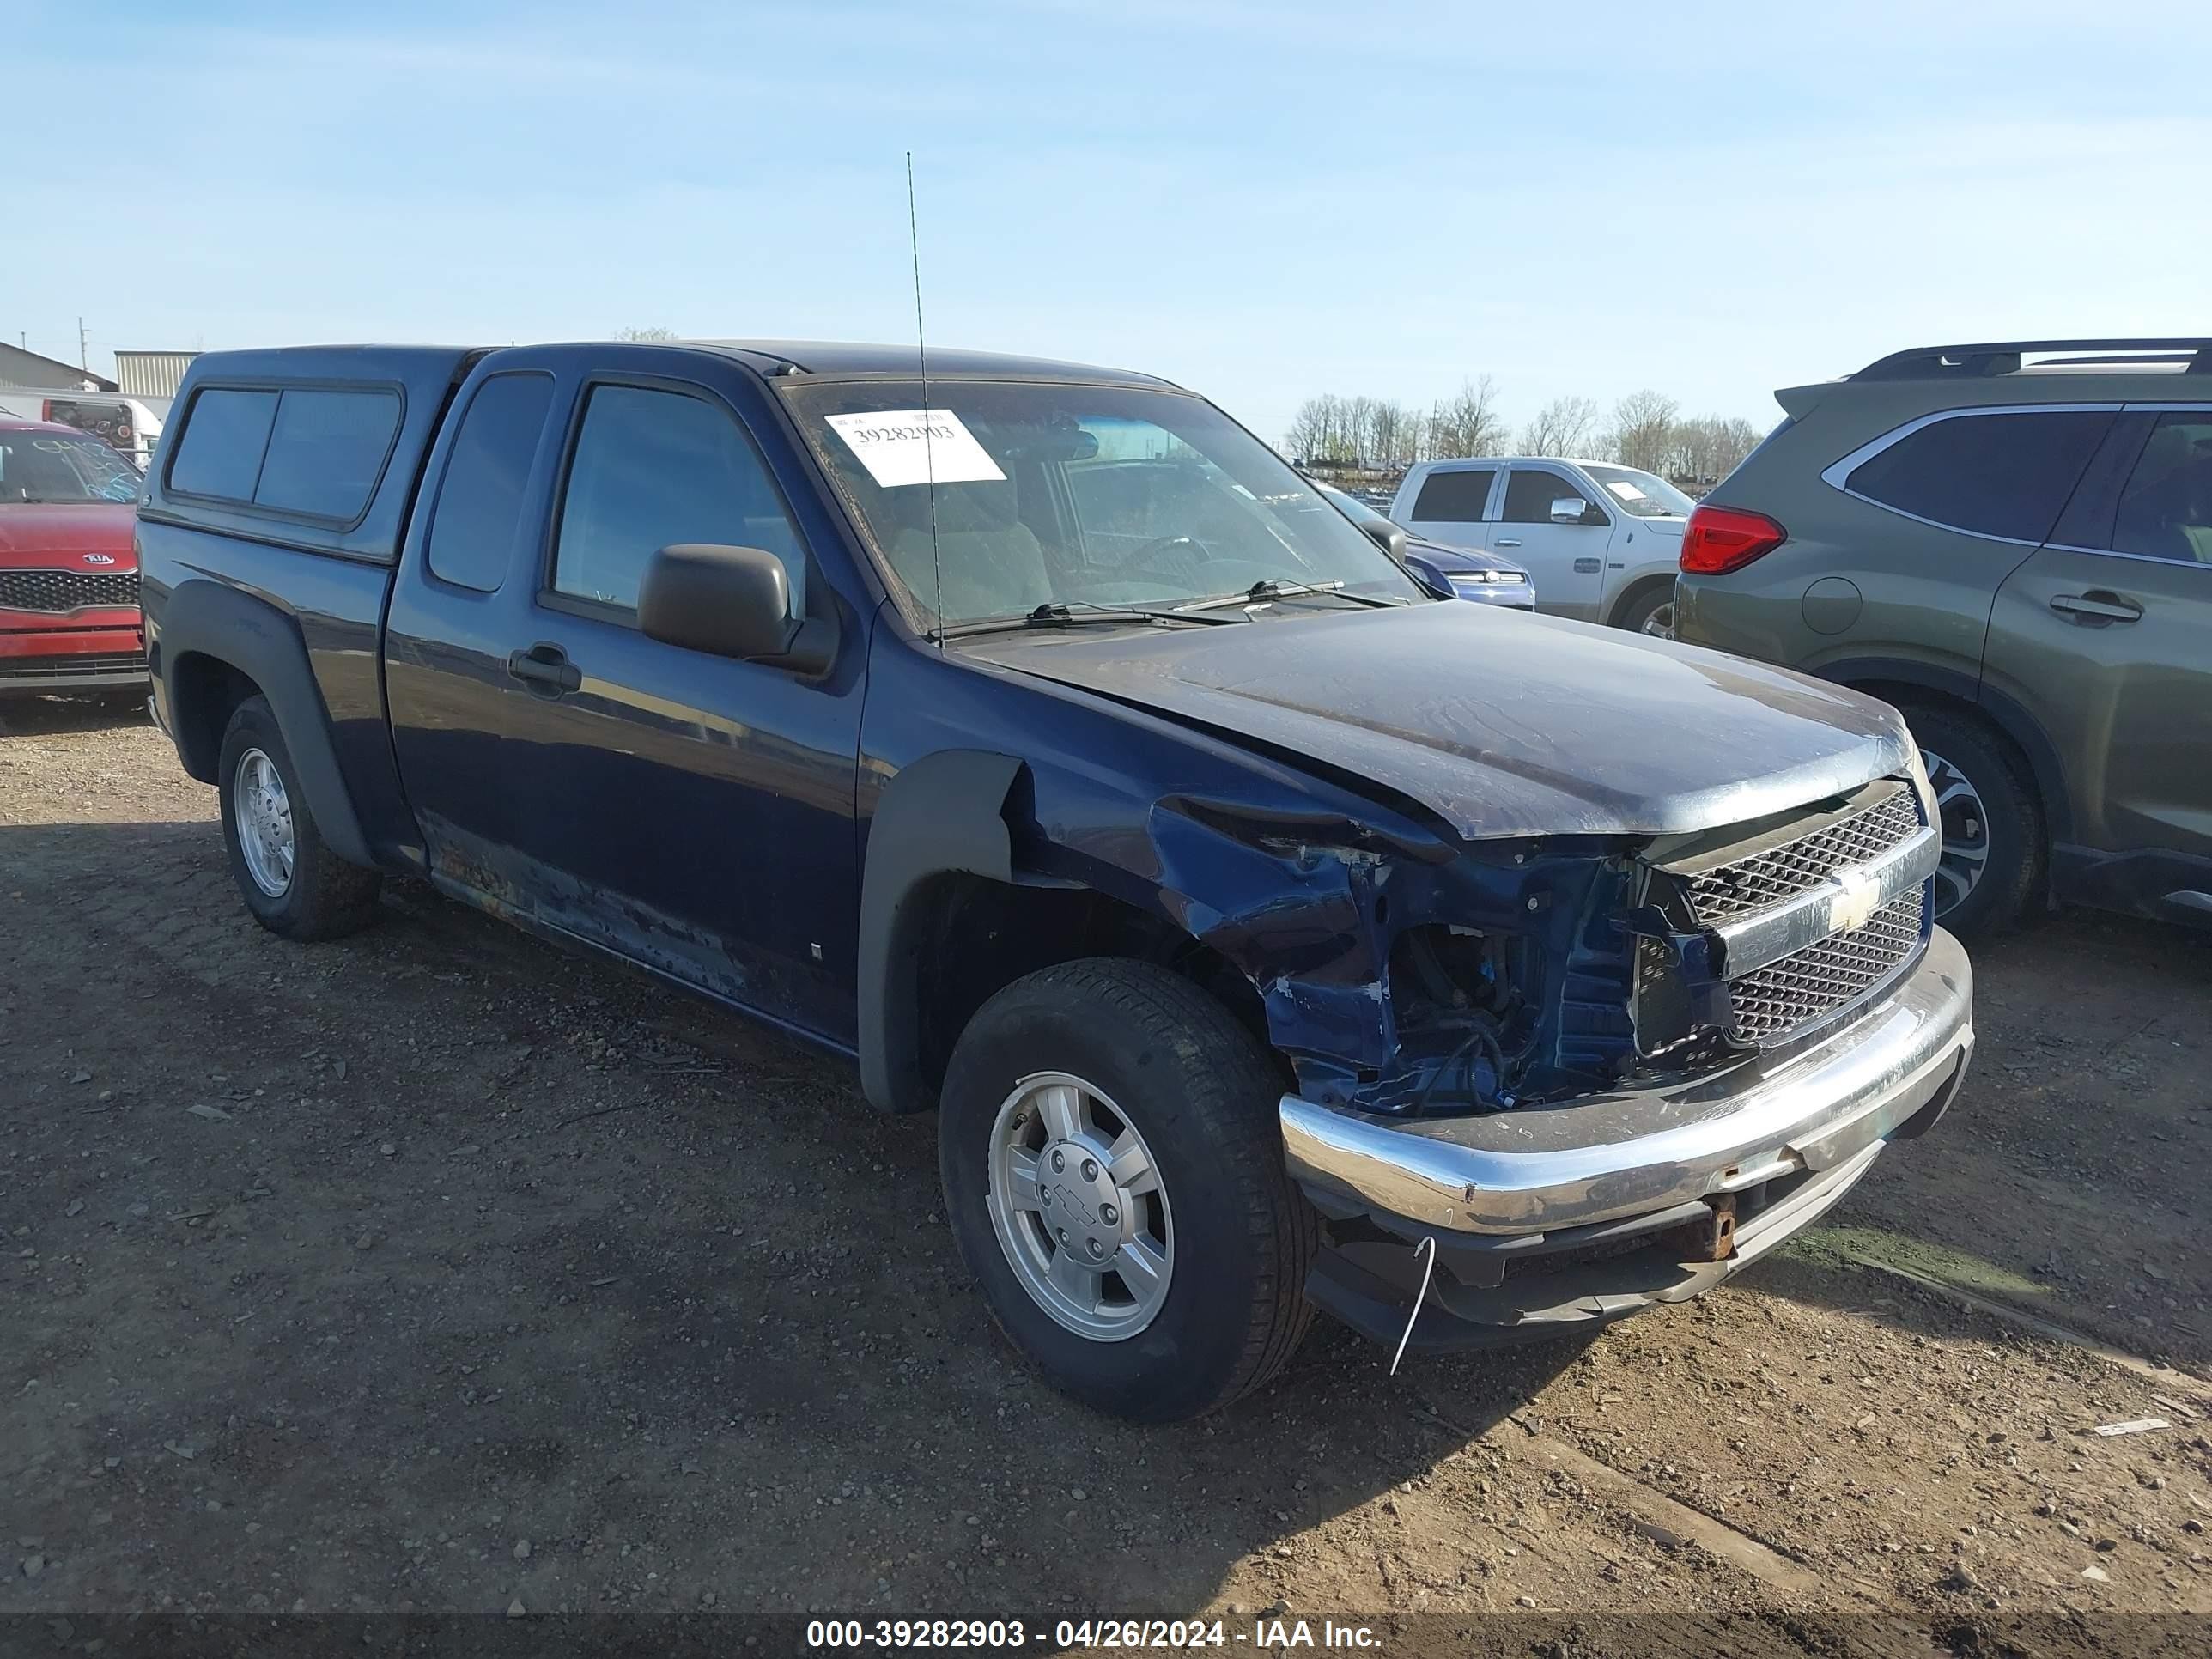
304 452
219 454
478 512
326 452
1452 495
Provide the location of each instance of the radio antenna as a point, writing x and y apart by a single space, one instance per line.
929 450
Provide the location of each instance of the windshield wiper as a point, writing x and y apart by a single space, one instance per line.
1266 590
1068 613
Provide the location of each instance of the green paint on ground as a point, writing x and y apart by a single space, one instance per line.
1830 1246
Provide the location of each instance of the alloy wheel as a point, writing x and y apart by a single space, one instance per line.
1964 825
264 810
1078 1208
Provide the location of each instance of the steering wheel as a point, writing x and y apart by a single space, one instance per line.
1141 562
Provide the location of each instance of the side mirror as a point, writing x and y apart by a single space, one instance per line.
728 602
1387 536
1572 509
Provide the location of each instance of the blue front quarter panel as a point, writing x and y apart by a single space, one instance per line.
1298 882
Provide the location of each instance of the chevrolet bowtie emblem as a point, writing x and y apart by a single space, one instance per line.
1854 906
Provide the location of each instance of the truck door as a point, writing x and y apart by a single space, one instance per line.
2106 640
1564 556
687 811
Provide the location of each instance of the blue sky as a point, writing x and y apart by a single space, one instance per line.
1262 200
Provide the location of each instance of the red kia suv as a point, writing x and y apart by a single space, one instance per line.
69 572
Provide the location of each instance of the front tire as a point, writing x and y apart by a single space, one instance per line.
1114 1174
291 880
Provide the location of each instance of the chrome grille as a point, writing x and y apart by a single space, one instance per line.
1824 976
66 590
1797 867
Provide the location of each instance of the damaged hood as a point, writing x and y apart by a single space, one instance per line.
1502 723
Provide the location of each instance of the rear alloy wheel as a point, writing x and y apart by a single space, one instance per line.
267 844
291 880
1989 817
1113 1167
1964 822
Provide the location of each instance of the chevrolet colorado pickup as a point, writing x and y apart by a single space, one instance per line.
1267 934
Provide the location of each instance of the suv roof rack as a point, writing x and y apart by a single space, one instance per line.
2003 357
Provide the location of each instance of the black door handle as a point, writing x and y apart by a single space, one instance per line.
2096 608
545 668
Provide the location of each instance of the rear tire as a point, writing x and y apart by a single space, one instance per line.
1164 1063
1994 840
295 886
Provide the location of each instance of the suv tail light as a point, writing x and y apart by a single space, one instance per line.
1719 539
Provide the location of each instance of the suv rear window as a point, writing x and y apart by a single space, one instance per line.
307 451
1999 474
1456 496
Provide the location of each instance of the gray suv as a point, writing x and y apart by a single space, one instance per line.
2013 544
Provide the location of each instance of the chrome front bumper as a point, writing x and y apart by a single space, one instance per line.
1555 1217
1609 1158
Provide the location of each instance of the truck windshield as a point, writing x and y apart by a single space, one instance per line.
1643 494
49 467
1061 494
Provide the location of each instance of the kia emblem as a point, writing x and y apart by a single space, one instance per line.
100 558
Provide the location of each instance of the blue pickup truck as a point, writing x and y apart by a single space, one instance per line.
1267 935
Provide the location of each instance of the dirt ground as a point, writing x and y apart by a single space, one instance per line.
437 1270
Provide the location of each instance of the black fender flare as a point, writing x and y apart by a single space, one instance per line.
205 619
2007 715
945 814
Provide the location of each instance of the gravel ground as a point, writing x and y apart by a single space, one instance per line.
436 1270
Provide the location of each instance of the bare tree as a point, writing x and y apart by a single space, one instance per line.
1303 441
1703 450
1396 437
1643 429
1646 430
1562 426
1468 423
1734 439
644 336
1321 431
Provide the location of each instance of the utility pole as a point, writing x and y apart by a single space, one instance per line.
83 358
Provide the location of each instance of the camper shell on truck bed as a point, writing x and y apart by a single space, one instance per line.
1264 932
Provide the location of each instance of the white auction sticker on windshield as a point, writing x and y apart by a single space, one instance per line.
1625 490
915 445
